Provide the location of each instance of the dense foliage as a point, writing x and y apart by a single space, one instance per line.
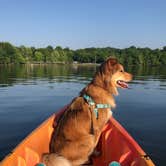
130 56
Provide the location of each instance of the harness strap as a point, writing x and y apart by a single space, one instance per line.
97 106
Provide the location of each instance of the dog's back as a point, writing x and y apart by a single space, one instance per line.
72 138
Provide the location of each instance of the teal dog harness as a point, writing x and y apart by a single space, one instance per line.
97 106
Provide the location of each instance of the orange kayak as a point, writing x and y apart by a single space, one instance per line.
115 144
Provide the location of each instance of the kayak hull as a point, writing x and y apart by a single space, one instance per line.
115 145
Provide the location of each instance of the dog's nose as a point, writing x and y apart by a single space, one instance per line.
129 76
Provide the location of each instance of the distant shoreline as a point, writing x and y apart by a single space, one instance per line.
52 63
74 64
87 56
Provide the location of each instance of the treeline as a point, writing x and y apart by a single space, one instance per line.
130 56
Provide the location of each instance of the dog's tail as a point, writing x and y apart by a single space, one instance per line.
53 159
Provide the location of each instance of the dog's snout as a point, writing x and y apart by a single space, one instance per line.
129 76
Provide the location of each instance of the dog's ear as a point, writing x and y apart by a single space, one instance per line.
111 61
109 65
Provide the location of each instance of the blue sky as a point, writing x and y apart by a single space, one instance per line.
84 23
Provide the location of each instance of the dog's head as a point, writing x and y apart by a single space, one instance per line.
114 76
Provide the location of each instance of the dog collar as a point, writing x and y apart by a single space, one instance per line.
97 106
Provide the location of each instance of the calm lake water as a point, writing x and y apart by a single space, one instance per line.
30 94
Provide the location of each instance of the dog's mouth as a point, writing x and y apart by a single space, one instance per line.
122 84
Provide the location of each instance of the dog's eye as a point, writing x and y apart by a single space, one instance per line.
121 70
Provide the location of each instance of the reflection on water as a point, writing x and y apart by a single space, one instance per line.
31 93
29 74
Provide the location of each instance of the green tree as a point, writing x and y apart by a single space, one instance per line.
8 52
127 56
38 56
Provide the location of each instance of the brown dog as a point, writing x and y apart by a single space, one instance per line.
78 130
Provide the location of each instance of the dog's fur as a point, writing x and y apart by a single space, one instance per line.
78 130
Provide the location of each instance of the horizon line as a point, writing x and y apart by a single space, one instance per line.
29 46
